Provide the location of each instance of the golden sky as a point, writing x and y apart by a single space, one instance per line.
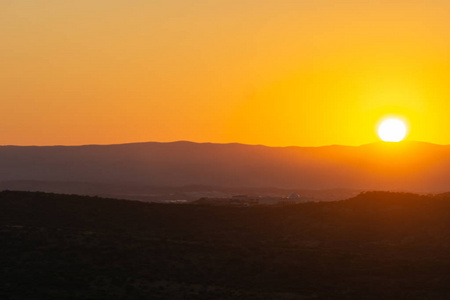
278 73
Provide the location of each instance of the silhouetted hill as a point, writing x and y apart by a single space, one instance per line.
375 246
411 166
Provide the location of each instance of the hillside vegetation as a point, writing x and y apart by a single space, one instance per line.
377 245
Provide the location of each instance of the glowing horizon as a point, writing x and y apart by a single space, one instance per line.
276 73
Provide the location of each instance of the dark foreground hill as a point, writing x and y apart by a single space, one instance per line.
375 246
406 166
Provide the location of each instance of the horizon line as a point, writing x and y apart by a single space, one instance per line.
224 143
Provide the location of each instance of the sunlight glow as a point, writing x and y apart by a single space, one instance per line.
392 130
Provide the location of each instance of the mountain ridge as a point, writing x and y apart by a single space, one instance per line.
230 143
409 166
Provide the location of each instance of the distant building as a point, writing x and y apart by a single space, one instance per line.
293 196
240 197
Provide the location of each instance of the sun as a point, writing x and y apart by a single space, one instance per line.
392 130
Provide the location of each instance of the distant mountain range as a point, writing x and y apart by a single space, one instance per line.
406 166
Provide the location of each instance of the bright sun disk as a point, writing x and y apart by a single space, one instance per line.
392 130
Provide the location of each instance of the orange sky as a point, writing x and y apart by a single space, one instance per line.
278 73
